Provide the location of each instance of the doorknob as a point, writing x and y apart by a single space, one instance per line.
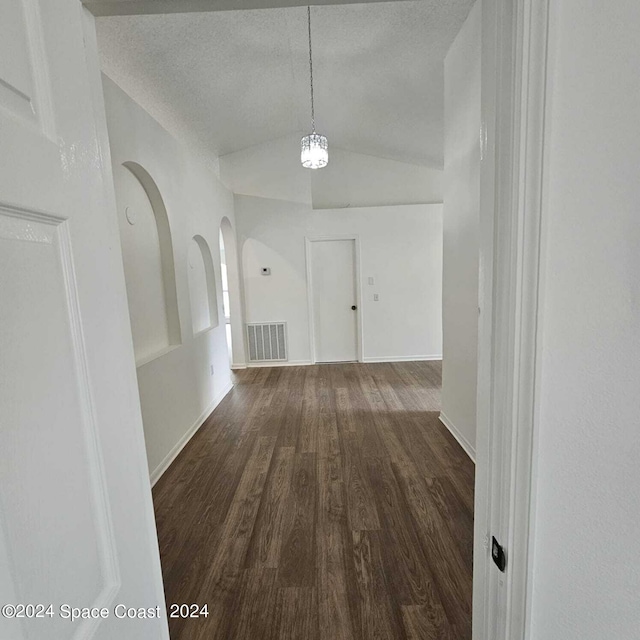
353 307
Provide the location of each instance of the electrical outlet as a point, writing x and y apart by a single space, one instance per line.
376 297
211 369
371 280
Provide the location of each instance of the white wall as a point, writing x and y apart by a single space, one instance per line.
401 248
273 170
269 170
177 389
461 228
278 203
586 576
358 180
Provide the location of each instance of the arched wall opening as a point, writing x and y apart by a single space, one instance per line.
202 286
231 293
147 252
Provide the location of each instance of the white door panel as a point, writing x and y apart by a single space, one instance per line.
24 76
334 293
76 519
54 496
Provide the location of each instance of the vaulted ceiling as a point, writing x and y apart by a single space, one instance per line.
232 79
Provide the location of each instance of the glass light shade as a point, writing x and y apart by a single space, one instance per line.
314 151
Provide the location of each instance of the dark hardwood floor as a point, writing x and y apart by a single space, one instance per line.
321 503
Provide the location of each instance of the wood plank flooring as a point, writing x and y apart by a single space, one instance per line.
321 503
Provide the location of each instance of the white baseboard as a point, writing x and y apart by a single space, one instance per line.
401 358
180 445
236 366
293 363
306 363
464 443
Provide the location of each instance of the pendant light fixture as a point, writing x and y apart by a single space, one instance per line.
314 152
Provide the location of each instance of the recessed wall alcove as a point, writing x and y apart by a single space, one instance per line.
147 253
202 286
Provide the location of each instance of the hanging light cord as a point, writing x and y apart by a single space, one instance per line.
313 115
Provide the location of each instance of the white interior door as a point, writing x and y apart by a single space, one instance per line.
334 300
76 519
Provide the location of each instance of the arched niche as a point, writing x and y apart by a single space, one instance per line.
202 286
147 252
231 291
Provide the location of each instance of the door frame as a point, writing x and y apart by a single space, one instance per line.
514 104
308 241
515 100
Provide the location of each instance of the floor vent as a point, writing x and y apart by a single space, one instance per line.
267 342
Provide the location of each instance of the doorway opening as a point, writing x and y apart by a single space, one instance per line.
225 297
333 296
231 299
386 408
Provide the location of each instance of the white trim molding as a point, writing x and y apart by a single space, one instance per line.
401 358
514 103
156 474
469 449
278 363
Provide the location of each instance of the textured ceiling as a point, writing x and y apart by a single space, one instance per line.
231 79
